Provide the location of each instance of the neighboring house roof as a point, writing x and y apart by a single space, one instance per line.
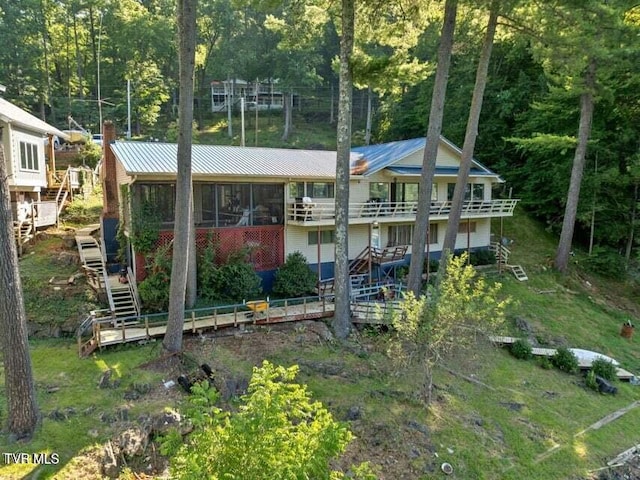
440 171
13 114
140 158
385 155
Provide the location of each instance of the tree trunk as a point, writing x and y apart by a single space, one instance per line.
288 113
187 41
367 131
470 137
22 408
431 148
342 314
192 269
632 226
584 131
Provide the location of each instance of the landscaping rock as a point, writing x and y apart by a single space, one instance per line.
513 406
162 423
132 441
354 413
418 426
233 387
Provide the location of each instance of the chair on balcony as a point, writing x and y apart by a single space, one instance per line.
304 208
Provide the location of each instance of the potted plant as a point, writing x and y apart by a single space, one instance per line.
627 329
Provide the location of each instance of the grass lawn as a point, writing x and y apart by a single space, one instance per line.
513 420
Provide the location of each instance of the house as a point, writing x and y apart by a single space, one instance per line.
277 201
263 95
31 169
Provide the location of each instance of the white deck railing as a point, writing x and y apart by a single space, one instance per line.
307 212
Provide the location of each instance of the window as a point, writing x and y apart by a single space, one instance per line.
408 192
379 191
326 236
400 235
320 190
29 156
466 227
296 189
403 234
472 192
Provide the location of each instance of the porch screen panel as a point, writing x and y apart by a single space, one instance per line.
208 203
160 196
267 208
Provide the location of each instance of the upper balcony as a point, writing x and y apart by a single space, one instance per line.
315 213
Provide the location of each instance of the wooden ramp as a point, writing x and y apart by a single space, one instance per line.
111 331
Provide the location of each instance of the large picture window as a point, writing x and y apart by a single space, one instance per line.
474 192
312 189
29 156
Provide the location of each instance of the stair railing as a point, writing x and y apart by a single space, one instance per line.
61 196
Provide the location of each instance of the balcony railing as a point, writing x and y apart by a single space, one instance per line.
388 211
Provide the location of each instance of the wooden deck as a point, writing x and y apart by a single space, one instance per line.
123 331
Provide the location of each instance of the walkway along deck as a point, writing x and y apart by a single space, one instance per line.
97 332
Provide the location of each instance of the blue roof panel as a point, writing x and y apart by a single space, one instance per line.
411 170
385 154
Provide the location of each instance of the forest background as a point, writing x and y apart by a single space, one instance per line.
70 57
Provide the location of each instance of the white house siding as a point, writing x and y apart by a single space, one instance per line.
297 239
25 180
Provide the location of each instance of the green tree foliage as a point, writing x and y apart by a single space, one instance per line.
429 329
294 278
278 432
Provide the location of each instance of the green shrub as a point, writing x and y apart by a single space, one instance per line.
590 381
482 257
294 278
233 281
606 262
545 363
565 360
154 289
521 349
278 432
604 368
207 272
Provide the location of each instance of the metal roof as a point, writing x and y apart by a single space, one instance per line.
139 158
440 171
384 155
13 114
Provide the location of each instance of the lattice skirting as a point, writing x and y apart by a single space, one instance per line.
265 243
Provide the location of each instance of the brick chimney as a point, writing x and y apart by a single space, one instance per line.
108 173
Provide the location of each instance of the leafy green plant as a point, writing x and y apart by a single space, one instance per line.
145 227
278 432
430 330
207 272
294 278
482 257
604 368
545 363
154 289
590 381
233 281
565 360
606 262
521 349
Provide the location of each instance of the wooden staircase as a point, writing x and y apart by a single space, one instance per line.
120 291
23 233
502 254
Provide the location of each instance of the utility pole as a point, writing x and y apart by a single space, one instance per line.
128 109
